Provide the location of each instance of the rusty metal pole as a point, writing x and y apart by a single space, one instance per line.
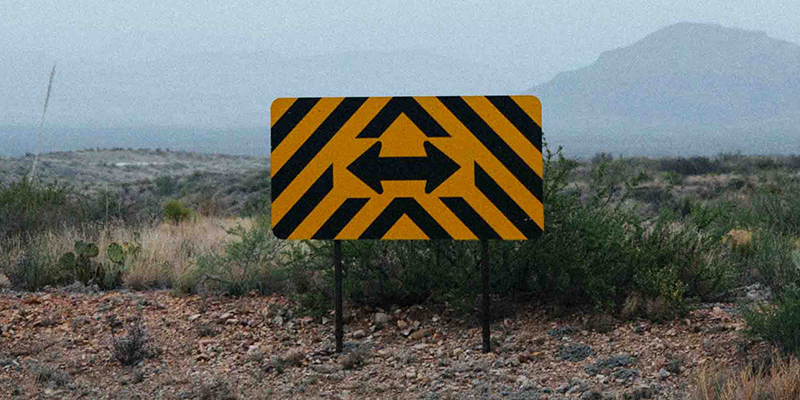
337 266
486 306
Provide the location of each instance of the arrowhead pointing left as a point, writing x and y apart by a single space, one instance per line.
364 168
441 167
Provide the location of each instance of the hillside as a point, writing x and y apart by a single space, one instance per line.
686 89
142 178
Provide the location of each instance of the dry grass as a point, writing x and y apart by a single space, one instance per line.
168 251
781 380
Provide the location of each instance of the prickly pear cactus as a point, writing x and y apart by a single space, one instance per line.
86 249
67 261
116 253
80 262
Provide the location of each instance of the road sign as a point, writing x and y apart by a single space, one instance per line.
449 167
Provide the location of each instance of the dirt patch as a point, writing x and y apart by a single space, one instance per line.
62 345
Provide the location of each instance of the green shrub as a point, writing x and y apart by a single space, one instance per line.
769 260
596 253
29 208
592 253
35 269
252 262
697 165
166 185
175 211
778 323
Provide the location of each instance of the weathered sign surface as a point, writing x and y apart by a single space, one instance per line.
448 167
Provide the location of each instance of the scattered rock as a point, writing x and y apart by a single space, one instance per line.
573 352
402 324
560 332
663 374
755 293
608 363
194 317
381 318
420 334
591 395
359 334
625 374
642 392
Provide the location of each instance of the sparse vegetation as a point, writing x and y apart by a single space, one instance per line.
779 323
135 346
175 211
45 373
629 237
780 379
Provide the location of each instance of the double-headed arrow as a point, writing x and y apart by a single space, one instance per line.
435 168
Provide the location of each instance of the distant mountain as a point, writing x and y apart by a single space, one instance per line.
686 89
181 101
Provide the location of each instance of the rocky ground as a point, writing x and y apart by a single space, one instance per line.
72 343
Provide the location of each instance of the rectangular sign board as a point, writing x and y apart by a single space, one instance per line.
419 168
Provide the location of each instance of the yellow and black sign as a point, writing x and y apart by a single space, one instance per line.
451 167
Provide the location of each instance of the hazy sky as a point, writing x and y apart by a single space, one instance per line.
533 39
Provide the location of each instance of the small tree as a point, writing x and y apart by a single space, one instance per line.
175 211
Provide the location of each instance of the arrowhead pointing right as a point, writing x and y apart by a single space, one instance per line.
364 168
441 167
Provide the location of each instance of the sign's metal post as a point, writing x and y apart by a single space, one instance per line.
337 265
487 317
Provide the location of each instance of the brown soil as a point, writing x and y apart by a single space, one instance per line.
59 344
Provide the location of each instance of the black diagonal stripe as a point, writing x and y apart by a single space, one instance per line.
305 205
505 204
402 105
340 218
296 112
470 217
314 144
519 118
395 210
494 143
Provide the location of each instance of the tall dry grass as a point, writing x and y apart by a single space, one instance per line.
781 380
168 251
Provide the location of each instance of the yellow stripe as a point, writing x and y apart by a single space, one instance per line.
302 132
319 216
278 108
342 150
531 105
445 218
496 219
364 218
508 132
470 148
